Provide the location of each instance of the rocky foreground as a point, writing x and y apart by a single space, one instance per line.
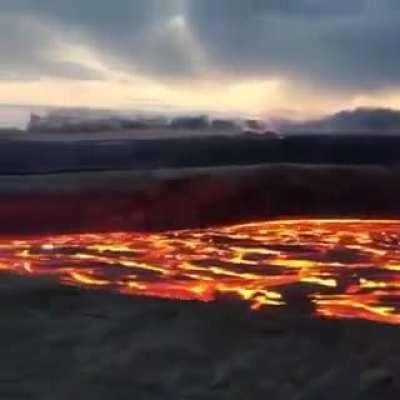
66 343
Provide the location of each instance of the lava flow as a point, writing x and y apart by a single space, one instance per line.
332 268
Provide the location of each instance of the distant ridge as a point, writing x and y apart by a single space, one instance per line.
361 120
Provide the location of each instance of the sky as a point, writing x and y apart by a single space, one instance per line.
300 58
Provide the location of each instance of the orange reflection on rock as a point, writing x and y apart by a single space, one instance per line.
332 268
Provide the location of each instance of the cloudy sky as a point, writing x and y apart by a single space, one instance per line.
303 57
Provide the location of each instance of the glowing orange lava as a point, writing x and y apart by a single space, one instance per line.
335 268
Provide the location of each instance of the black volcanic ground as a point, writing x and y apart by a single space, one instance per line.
62 343
109 185
41 156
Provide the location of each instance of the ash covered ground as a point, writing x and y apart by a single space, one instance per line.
62 343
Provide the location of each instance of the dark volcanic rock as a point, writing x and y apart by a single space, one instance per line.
116 347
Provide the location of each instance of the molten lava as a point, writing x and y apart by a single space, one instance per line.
335 268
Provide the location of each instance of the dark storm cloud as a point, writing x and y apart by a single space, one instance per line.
120 15
124 31
342 43
24 53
